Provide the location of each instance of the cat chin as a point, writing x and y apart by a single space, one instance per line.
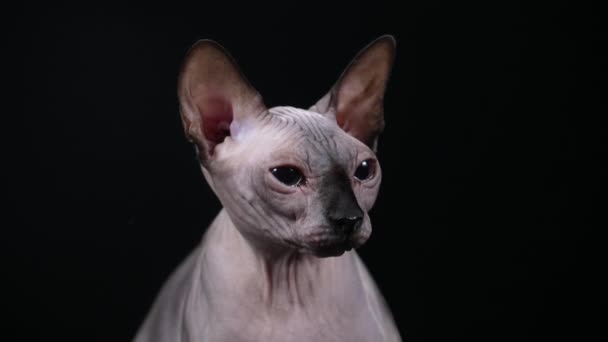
331 251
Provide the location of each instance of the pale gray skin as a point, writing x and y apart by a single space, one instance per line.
274 265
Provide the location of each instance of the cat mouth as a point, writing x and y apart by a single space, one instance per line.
325 248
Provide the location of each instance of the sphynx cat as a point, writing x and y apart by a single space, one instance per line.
278 262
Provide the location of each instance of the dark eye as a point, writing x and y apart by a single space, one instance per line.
287 175
364 170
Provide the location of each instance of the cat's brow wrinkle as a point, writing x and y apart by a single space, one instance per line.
324 148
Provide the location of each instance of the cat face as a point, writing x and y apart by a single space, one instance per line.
300 176
302 179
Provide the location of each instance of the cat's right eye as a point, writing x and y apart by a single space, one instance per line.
287 175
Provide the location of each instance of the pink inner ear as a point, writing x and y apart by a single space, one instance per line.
216 113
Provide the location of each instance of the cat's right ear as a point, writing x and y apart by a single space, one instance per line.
213 94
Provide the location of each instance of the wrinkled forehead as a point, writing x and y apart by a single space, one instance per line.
314 126
310 137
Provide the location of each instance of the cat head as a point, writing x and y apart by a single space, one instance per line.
289 177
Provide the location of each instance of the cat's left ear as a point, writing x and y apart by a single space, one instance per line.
356 100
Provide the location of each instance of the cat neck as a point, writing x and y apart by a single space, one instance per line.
280 280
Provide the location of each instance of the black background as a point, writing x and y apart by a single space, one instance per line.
491 159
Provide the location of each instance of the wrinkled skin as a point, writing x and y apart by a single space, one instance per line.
277 263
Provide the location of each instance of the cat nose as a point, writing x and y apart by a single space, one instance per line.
347 225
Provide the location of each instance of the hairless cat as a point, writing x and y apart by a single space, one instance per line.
278 263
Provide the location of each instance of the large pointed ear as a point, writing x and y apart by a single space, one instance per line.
213 95
356 100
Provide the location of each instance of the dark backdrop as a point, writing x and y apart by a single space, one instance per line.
491 159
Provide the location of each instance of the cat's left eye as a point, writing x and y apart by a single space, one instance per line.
287 175
365 170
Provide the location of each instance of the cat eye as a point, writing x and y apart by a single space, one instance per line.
287 175
365 170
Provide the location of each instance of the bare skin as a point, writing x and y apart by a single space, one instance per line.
278 262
